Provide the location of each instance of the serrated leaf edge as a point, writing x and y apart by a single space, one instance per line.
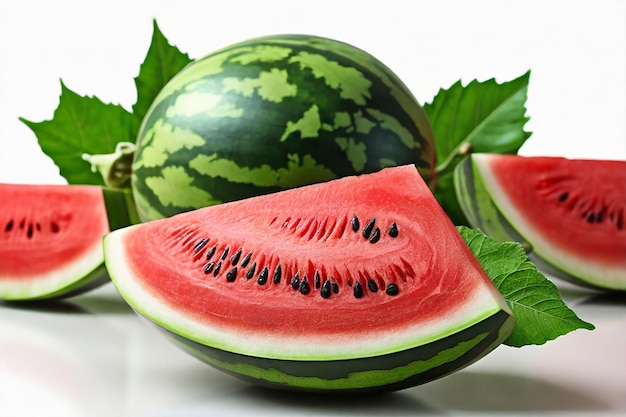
468 138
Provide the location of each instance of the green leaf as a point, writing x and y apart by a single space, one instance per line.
85 125
162 62
488 115
81 124
480 117
540 313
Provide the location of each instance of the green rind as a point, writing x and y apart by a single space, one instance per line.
182 330
121 212
120 209
399 370
482 213
477 205
186 327
94 279
279 120
485 116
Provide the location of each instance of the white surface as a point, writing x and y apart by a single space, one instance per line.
94 357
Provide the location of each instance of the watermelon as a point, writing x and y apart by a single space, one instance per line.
51 238
354 285
569 213
269 114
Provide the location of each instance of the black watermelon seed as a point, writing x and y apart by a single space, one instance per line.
358 290
235 258
316 279
225 254
325 291
335 287
393 230
278 273
262 279
29 233
211 252
217 269
231 275
563 197
295 281
392 289
600 217
208 268
355 223
250 272
54 227
304 287
246 259
369 227
375 237
201 244
371 285
8 226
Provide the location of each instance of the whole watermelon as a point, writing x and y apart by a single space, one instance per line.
272 113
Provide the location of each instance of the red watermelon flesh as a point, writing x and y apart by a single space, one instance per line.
571 211
418 280
50 238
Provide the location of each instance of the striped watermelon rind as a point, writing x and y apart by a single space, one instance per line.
390 372
214 297
561 241
273 113
51 238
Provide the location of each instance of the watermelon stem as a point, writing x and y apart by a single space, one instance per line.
464 149
115 167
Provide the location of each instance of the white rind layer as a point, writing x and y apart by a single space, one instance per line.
582 268
16 288
485 303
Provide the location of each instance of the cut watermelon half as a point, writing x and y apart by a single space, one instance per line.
357 284
569 212
51 238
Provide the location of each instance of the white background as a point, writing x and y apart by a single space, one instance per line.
576 51
93 357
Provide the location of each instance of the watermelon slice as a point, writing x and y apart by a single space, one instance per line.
357 284
569 213
51 238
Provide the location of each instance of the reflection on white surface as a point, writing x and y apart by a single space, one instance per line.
24 396
91 356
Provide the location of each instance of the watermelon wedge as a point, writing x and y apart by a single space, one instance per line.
570 213
354 285
51 238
